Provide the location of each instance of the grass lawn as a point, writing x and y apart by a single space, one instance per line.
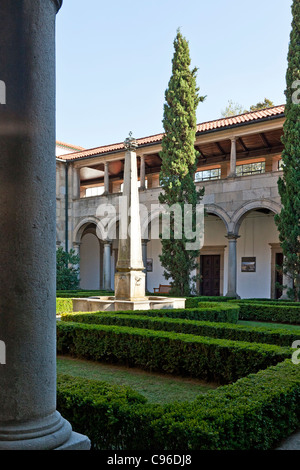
157 388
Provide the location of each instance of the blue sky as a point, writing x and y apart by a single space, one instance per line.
114 61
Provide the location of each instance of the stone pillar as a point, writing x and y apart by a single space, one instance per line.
107 265
144 255
106 178
232 172
28 416
129 277
142 174
76 182
232 266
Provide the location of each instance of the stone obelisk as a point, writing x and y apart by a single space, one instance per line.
129 277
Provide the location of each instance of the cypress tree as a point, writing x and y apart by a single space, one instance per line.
288 221
179 162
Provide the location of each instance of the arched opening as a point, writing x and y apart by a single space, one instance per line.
91 259
258 254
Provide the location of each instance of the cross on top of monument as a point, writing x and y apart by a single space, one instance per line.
130 143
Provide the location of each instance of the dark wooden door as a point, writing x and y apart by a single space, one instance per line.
210 272
278 274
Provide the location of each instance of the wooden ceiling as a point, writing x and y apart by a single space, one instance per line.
249 146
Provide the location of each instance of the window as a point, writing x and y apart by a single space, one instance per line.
250 169
280 164
96 191
207 175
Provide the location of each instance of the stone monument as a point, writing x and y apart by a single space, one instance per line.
129 278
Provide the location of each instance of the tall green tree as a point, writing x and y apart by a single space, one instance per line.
288 221
67 271
262 105
179 162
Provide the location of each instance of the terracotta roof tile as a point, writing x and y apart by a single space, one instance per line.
203 127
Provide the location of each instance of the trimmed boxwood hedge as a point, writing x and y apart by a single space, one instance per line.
192 302
215 360
279 313
205 311
280 337
254 413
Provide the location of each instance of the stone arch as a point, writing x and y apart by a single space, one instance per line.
219 212
81 226
241 213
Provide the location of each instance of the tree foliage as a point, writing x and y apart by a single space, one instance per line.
262 105
67 271
289 185
234 109
179 161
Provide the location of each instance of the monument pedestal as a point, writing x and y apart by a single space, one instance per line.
130 286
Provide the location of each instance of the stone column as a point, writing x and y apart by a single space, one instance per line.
232 172
107 265
106 178
144 255
142 174
76 182
28 416
232 265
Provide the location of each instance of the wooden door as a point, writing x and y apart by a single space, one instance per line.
210 272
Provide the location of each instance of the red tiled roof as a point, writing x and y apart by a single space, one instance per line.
204 127
69 146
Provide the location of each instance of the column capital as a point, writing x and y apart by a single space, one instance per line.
232 236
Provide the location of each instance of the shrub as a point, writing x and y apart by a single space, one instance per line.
216 360
280 337
192 302
63 305
67 271
97 409
254 413
269 313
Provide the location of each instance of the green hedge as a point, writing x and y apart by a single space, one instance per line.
63 305
81 293
255 413
192 302
216 360
280 337
269 313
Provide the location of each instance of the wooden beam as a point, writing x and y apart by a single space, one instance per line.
242 143
220 148
265 140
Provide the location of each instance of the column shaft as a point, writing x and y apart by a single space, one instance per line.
28 416
232 266
233 158
142 174
106 178
107 266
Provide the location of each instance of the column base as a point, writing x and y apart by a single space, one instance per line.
76 442
232 294
48 433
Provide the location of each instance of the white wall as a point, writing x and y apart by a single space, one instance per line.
256 232
89 262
